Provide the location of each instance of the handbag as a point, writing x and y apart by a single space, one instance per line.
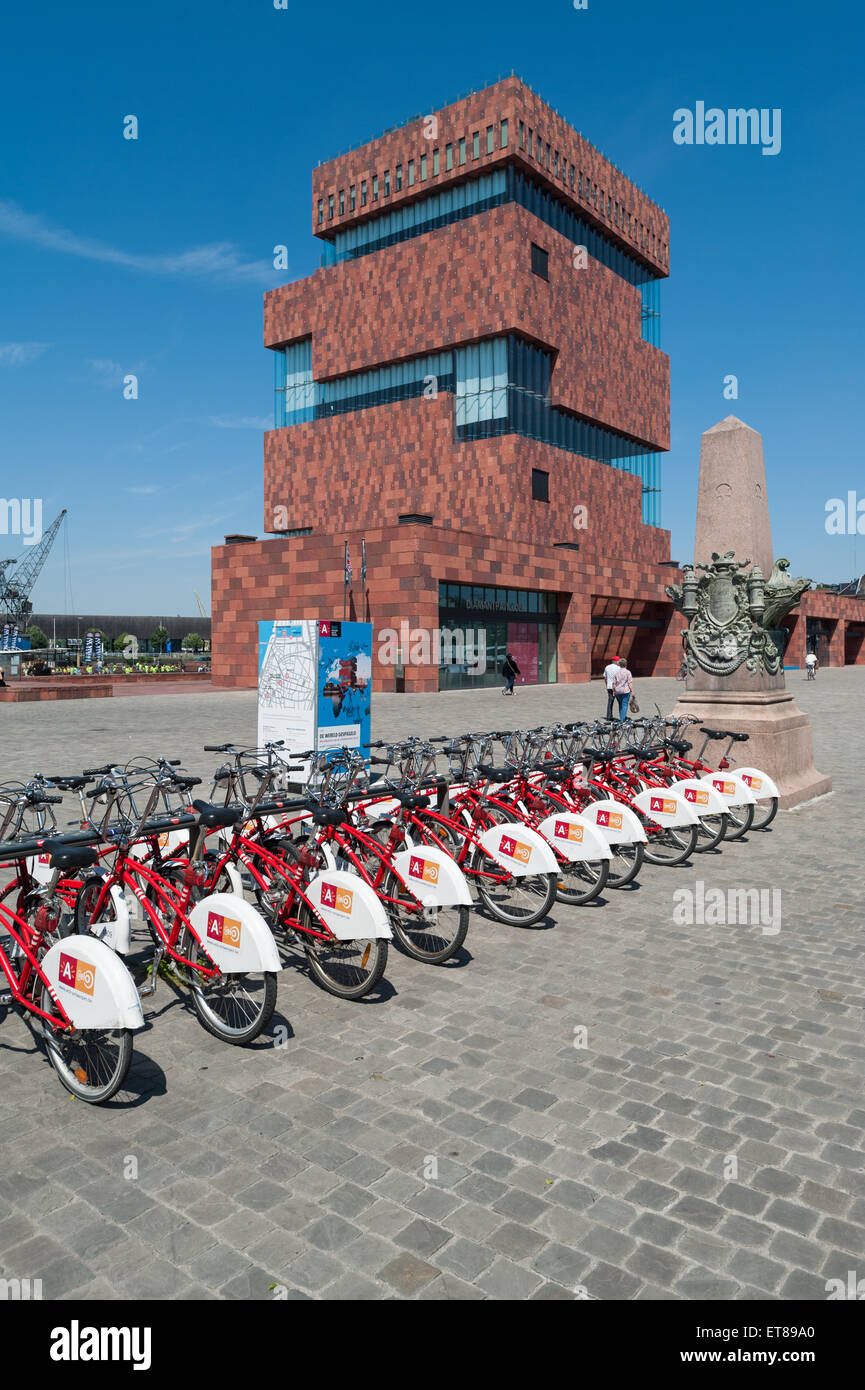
633 705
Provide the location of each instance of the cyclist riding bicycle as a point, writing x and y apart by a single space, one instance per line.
811 664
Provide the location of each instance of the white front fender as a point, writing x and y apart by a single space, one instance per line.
574 837
347 905
519 849
92 983
433 876
234 935
666 806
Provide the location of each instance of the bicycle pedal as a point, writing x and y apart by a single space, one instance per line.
5 998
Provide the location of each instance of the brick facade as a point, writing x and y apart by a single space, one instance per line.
843 618
353 475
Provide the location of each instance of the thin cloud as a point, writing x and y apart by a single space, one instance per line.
220 260
19 354
240 422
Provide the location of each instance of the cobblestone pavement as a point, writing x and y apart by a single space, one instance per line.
447 1139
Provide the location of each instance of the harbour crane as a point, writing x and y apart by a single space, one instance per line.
15 590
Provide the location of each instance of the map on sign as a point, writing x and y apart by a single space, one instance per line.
286 680
287 683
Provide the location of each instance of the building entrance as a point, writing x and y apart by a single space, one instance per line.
485 623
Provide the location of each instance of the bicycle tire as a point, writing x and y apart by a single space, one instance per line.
711 831
764 813
73 1056
740 819
626 863
594 872
679 839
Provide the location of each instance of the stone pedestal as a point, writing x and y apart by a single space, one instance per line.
779 740
733 514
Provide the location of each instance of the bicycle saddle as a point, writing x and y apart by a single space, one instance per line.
495 774
557 774
70 784
713 733
322 817
598 755
681 745
213 816
411 801
738 738
164 823
72 857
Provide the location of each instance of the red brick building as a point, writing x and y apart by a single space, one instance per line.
472 383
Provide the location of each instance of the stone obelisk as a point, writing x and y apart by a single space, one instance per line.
733 514
733 506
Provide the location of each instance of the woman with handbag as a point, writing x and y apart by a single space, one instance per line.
623 688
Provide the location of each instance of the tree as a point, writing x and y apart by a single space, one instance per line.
38 638
193 640
159 637
120 642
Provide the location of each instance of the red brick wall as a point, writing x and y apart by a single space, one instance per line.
473 280
842 611
509 99
303 578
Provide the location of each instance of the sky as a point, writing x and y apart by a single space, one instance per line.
149 257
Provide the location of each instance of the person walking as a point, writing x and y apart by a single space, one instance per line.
510 671
623 688
611 670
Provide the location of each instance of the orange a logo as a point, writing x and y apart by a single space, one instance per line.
694 794
565 830
515 849
344 900
424 869
755 783
224 929
77 974
664 804
725 788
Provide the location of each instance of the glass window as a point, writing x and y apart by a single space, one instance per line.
531 142
330 205
540 485
320 210
411 173
363 193
540 262
449 157
548 154
522 134
398 177
482 382
573 173
490 596
435 161
534 603
490 139
352 197
503 134
375 188
580 189
422 167
477 594
556 163
513 599
462 149
341 201
386 182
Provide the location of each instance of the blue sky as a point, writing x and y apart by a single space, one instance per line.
150 256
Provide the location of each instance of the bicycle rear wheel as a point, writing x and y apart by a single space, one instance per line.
670 845
581 881
710 832
92 1064
740 819
348 969
625 864
234 1008
765 812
